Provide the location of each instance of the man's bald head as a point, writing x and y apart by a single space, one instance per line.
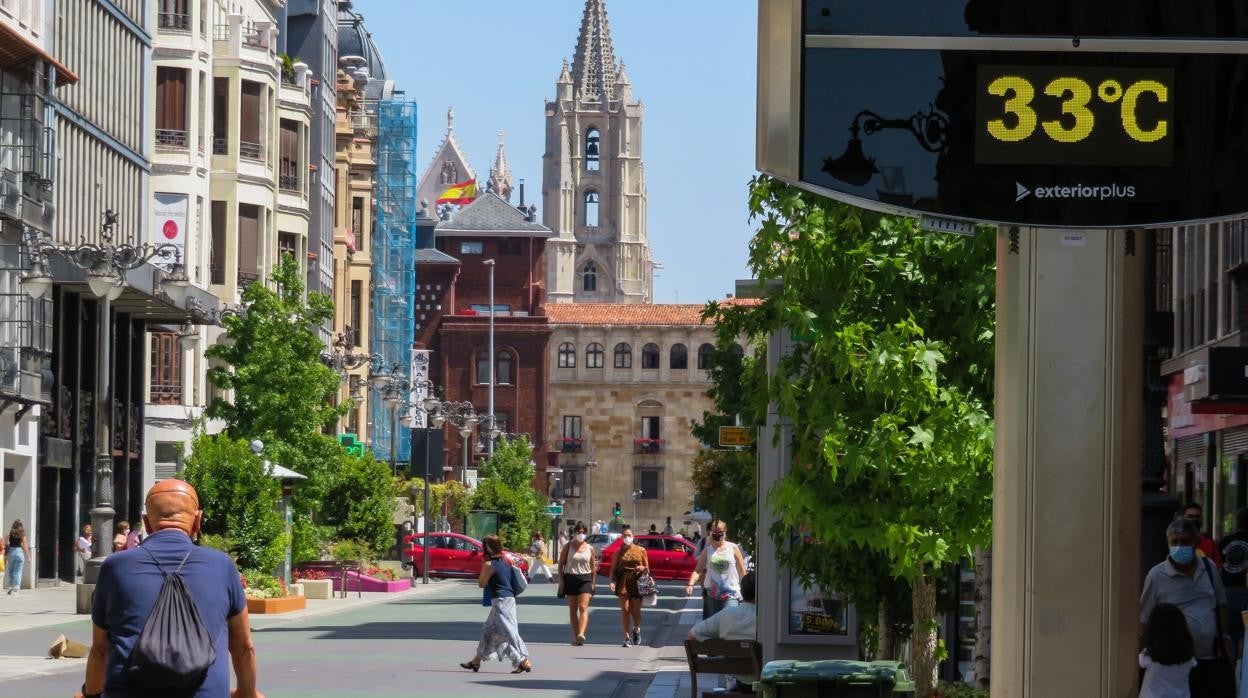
173 504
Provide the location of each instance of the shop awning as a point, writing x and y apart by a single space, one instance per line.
16 49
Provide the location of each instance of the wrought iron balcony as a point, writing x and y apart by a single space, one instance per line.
648 445
289 183
250 151
171 138
174 22
220 146
570 445
254 37
246 277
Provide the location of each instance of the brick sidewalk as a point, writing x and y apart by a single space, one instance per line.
669 665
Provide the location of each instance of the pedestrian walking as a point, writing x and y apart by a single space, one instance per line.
1191 583
577 580
16 553
127 593
1167 658
630 562
720 567
500 636
82 548
1205 546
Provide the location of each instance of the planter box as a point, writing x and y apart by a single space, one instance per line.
318 588
374 584
281 604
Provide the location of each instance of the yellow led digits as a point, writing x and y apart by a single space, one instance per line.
1077 120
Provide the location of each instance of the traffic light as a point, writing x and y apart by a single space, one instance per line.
616 510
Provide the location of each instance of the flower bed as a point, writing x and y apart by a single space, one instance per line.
369 583
279 604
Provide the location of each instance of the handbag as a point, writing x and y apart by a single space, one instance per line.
646 586
518 582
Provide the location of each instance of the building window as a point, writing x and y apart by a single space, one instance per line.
593 356
500 310
705 352
571 441
474 247
574 483
510 247
357 310
567 355
648 481
288 244
591 209
166 369
220 116
502 368
623 355
650 427
248 241
174 16
166 458
679 357
288 157
592 147
357 221
171 107
589 277
250 126
216 262
650 356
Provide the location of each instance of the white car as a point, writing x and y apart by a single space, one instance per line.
601 540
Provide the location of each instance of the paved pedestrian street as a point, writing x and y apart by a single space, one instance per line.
409 645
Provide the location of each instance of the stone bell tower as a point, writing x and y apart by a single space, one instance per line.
593 179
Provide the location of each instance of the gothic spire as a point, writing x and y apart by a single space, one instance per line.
500 173
593 65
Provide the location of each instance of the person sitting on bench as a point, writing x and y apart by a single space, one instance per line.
733 623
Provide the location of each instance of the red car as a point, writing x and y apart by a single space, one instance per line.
452 555
671 557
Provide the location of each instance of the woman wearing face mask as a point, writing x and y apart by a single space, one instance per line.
577 562
721 567
629 563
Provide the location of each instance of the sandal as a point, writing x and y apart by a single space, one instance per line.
523 668
470 665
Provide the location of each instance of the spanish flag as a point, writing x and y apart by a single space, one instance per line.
461 193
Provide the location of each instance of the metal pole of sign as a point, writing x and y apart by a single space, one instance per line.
424 566
394 437
633 523
489 434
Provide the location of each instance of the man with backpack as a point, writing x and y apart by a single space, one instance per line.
167 613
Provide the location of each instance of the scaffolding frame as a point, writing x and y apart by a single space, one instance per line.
394 264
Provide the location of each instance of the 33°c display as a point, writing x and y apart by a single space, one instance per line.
1097 116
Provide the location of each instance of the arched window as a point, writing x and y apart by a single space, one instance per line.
650 356
679 357
567 355
704 356
591 209
592 143
590 277
593 356
623 356
503 365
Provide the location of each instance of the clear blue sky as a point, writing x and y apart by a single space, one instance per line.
691 63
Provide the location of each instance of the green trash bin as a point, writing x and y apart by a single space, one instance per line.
834 678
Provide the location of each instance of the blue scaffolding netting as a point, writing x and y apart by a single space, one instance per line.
394 264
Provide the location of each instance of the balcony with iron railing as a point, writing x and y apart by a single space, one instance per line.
646 445
255 37
220 145
570 445
216 275
173 22
289 183
171 138
251 151
246 277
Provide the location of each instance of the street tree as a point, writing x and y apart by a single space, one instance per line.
889 391
506 486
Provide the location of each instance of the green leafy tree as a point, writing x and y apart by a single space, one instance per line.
725 481
239 499
359 505
890 395
507 487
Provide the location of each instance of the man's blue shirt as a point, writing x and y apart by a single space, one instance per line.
127 589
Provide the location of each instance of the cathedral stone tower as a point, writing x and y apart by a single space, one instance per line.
593 180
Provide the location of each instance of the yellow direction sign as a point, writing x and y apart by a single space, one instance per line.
734 436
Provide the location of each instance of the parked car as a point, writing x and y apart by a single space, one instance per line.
452 555
671 557
601 540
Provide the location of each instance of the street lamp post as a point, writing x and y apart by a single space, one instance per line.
489 263
391 386
633 523
106 264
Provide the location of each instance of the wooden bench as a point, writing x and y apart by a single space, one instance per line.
336 569
722 657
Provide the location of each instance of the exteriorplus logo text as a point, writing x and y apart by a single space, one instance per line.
1101 192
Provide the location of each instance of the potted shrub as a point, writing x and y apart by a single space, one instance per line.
268 594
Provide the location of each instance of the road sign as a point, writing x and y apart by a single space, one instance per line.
734 436
554 510
991 116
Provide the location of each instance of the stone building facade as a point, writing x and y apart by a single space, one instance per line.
626 384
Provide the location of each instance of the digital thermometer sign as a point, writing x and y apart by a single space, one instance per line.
1046 115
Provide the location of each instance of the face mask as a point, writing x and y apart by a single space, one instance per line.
628 540
717 535
1182 554
580 538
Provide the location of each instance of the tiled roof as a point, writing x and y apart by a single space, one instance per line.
425 255
671 314
490 213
